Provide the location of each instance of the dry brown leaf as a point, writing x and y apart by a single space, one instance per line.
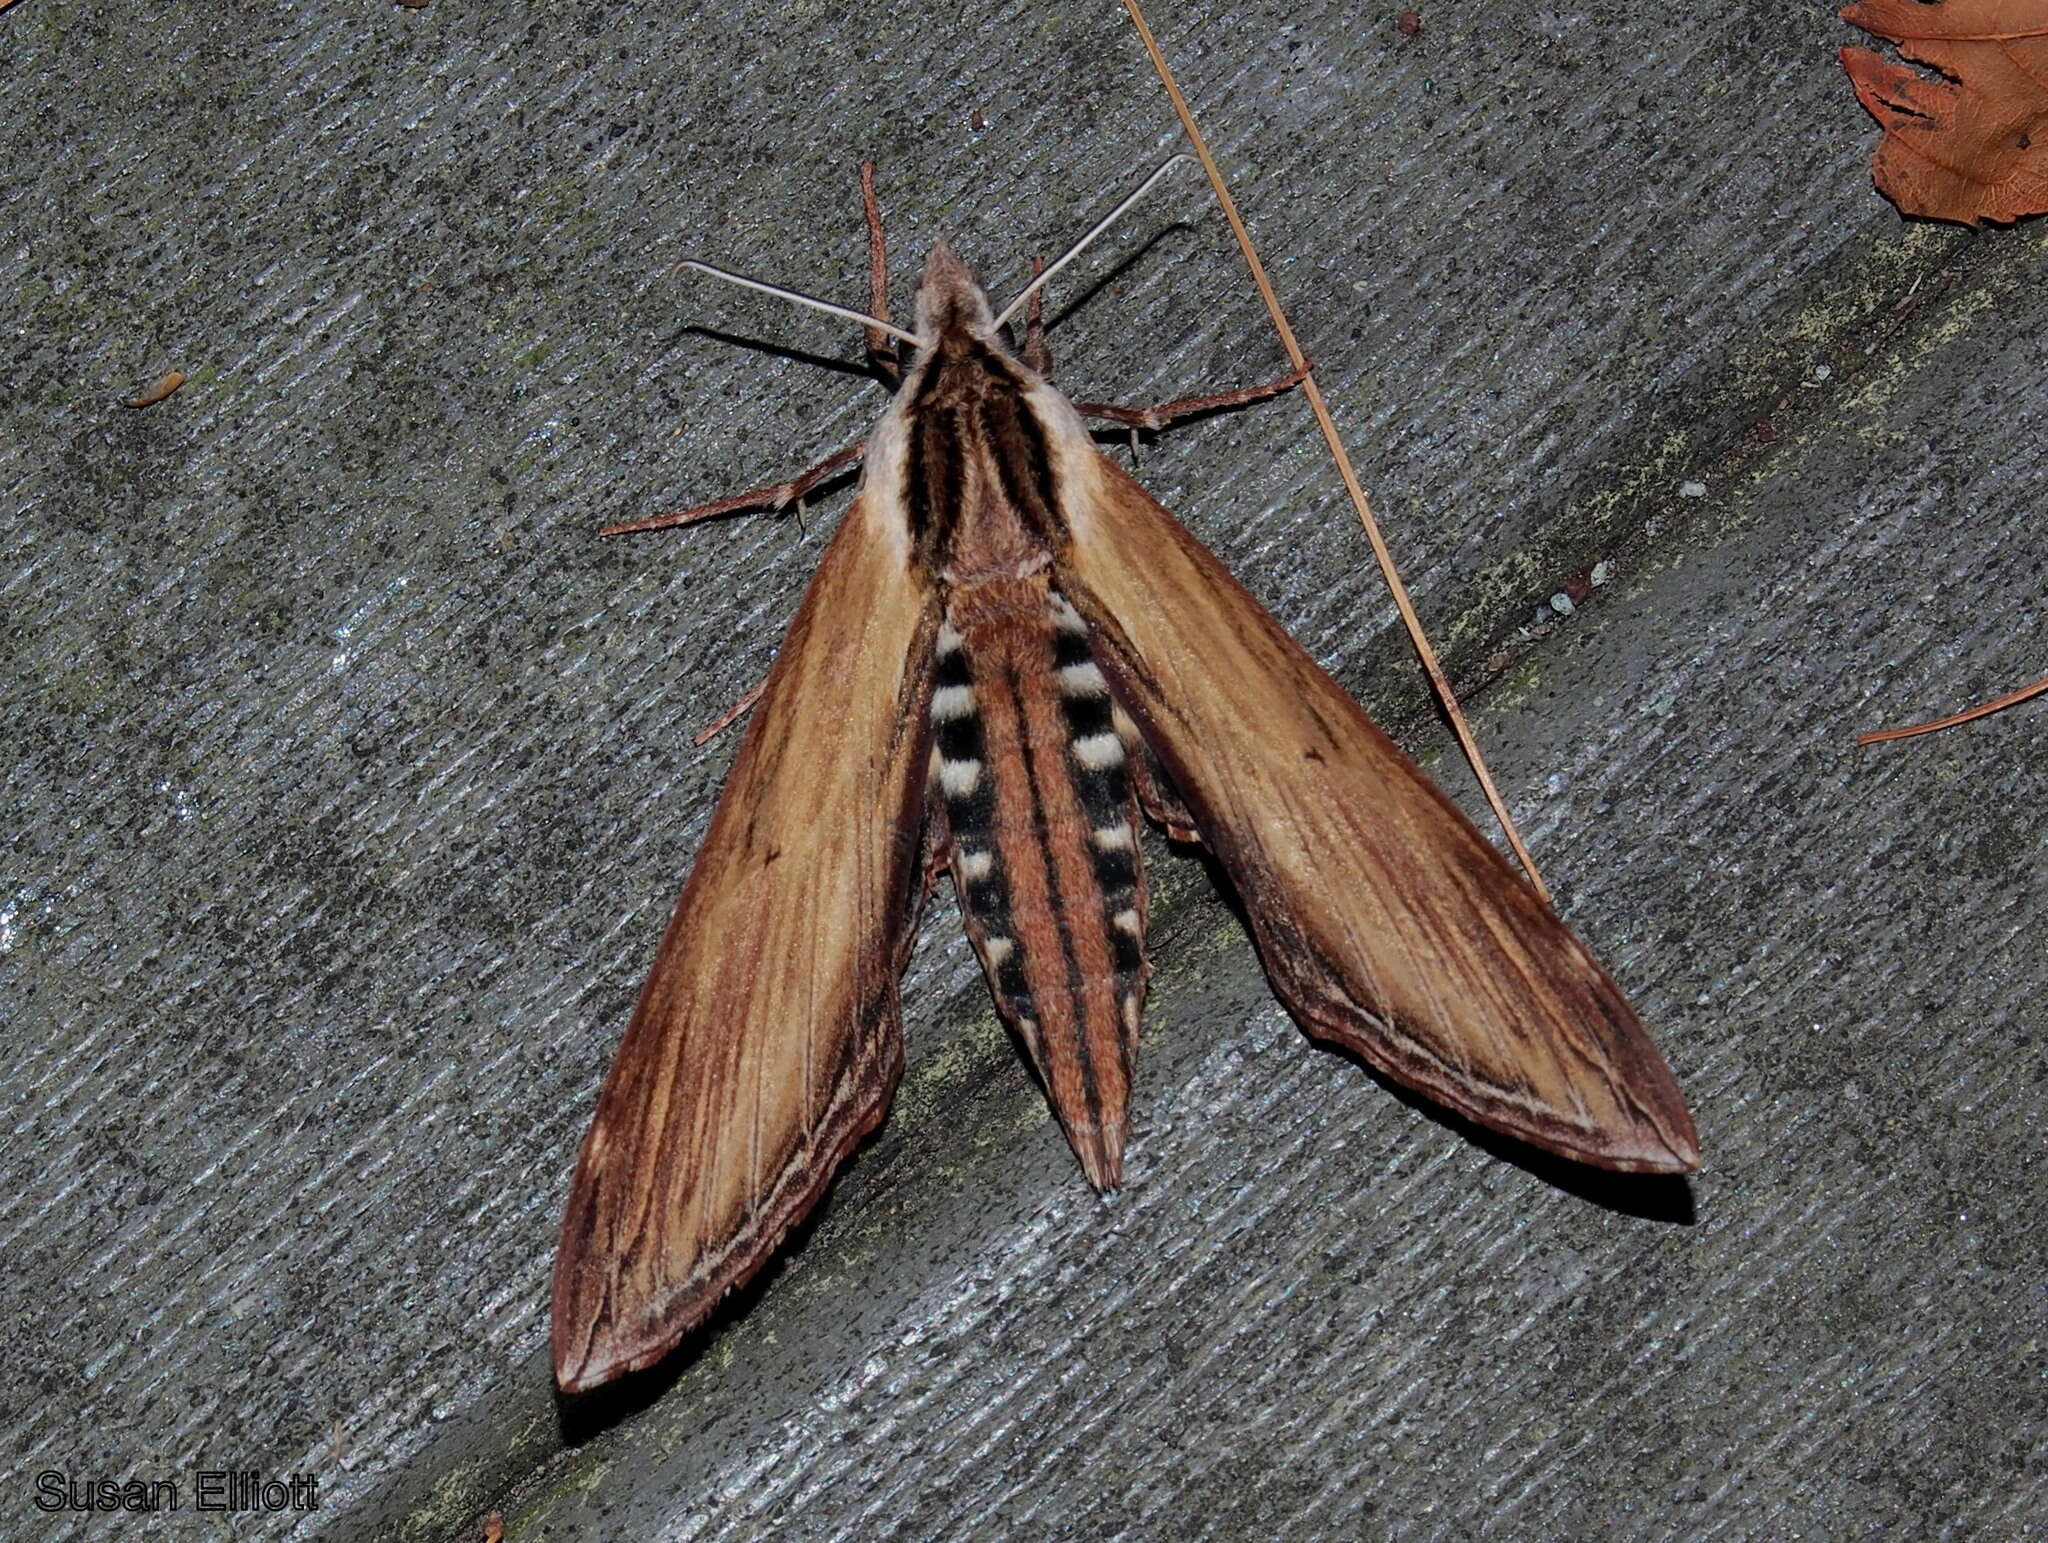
166 383
1972 143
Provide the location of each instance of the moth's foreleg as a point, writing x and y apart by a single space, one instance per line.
1149 418
775 497
882 356
1036 353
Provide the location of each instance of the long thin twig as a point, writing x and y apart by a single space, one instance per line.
1981 710
1299 360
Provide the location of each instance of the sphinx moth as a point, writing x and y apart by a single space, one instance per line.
1009 650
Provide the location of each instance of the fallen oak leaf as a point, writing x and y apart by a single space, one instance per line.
166 383
1972 144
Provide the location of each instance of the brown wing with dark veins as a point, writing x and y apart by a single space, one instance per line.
767 1039
1386 921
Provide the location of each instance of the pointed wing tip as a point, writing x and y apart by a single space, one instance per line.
1683 1154
1673 1142
1677 1159
1650 1132
590 1347
580 1368
582 1360
1667 1146
587 1361
580 1377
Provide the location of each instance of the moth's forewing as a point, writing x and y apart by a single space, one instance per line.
1386 922
767 1041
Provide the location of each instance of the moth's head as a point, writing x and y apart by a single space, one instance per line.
951 304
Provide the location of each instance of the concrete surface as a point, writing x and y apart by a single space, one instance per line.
351 777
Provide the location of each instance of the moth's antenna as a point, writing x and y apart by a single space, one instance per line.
817 305
1076 249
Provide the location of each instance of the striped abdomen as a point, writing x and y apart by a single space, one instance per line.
1028 758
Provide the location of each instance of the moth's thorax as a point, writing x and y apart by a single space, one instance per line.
975 461
979 469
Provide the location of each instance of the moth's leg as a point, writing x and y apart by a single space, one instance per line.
1158 417
882 356
1036 354
1157 795
777 496
731 715
1154 787
780 495
938 846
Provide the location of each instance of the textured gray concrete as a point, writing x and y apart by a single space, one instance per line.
351 782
